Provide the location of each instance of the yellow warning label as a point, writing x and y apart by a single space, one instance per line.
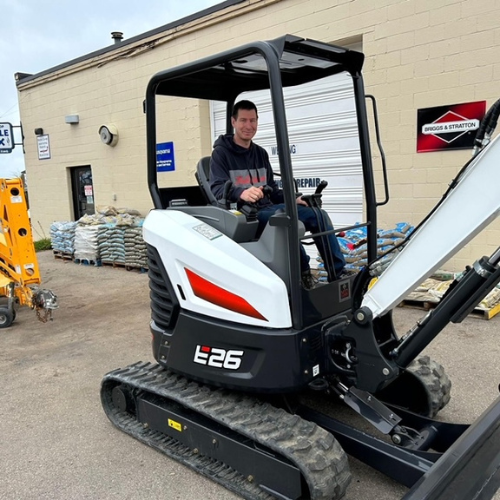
175 425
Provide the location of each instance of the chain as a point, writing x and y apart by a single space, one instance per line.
43 301
46 316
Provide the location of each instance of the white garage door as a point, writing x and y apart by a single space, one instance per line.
323 140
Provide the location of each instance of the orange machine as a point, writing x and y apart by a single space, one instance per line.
19 273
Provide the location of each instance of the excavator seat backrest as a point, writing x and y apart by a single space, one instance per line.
202 175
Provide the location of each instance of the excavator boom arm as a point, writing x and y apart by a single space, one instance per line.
472 203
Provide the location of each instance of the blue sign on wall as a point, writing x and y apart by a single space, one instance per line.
165 161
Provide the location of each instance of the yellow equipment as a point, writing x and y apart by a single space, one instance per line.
19 273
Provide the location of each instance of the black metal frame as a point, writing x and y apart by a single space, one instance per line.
267 469
464 459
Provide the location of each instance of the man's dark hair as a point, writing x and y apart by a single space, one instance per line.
248 105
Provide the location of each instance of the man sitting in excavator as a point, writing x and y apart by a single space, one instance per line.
238 159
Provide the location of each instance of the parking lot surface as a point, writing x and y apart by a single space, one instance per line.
55 440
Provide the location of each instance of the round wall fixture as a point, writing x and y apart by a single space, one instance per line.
108 134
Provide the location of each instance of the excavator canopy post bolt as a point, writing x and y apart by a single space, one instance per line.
386 371
214 441
304 340
167 342
396 439
306 372
250 478
360 316
196 451
163 357
145 425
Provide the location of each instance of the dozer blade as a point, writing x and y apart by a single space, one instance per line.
470 468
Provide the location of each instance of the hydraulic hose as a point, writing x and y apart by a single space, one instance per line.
487 127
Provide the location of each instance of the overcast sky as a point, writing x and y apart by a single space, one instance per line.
39 35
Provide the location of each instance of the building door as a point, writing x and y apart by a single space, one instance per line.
83 191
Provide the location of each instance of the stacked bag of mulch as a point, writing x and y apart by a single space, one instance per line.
62 236
100 237
135 247
123 244
354 246
86 247
433 289
111 243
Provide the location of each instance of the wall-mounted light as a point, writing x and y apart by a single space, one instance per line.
39 131
72 119
108 134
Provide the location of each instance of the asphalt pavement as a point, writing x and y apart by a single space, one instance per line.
55 440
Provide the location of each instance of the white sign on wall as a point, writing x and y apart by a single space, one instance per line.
43 147
6 138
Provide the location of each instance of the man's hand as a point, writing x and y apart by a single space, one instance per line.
300 201
252 194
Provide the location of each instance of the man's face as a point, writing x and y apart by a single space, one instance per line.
245 125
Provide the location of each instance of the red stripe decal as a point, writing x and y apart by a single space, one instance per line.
206 290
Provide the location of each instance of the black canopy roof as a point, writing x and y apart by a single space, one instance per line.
226 75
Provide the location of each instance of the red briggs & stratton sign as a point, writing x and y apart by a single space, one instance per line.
449 127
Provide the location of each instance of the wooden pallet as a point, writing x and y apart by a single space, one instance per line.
62 255
427 305
128 267
113 263
133 267
487 313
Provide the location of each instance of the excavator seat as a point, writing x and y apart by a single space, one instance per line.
270 248
202 175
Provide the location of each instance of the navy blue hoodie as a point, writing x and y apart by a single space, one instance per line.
244 167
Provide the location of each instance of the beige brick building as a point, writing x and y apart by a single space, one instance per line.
419 54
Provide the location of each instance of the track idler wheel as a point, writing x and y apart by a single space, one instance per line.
123 399
423 388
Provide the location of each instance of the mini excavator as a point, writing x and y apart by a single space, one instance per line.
244 352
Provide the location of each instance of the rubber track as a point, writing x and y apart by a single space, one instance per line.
437 384
314 451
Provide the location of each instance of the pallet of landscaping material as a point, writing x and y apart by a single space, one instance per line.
428 295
